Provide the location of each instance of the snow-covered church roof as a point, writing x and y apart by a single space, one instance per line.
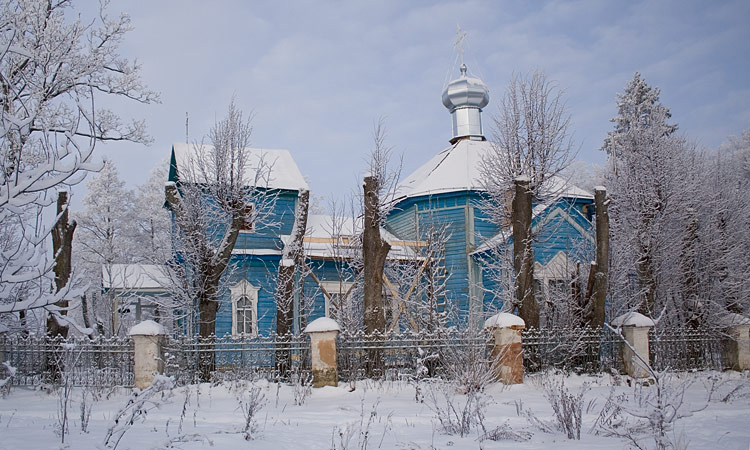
284 173
458 168
454 169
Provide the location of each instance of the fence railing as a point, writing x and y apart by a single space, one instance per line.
237 357
581 350
408 354
681 349
109 361
82 361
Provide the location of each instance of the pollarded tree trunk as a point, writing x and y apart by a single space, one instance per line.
62 245
598 293
374 252
523 253
208 306
291 260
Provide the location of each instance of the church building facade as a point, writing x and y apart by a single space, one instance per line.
445 193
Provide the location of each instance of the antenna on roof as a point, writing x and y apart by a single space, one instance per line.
187 122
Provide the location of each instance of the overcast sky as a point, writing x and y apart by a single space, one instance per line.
316 75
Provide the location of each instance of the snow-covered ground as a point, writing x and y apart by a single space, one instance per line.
374 415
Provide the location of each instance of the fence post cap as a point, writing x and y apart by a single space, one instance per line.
504 320
632 319
147 328
322 324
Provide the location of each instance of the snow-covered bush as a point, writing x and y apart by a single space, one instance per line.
251 400
568 407
137 407
457 413
302 385
727 387
86 402
342 437
468 367
505 432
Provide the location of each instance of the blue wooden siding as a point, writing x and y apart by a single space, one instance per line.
559 234
261 272
324 270
402 222
459 214
281 222
554 233
468 277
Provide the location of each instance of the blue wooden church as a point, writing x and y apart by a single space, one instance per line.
446 192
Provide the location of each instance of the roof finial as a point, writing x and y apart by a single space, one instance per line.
459 44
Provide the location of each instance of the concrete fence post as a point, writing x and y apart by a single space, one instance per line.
323 332
737 346
148 339
635 327
507 357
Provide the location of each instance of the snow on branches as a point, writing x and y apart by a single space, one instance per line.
53 70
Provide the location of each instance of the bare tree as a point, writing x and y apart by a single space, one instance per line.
532 144
730 176
417 282
523 253
53 71
378 191
223 188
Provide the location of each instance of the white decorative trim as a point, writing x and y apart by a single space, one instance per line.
557 269
334 287
255 251
558 211
243 288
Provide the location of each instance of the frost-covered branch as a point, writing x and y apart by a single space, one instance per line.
53 71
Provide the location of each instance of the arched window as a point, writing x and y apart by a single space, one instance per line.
244 309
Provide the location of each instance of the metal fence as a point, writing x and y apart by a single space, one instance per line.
581 350
109 361
681 349
81 361
408 354
247 357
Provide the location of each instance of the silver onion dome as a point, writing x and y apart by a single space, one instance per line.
465 97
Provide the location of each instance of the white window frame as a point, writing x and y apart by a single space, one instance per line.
335 288
238 291
556 270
